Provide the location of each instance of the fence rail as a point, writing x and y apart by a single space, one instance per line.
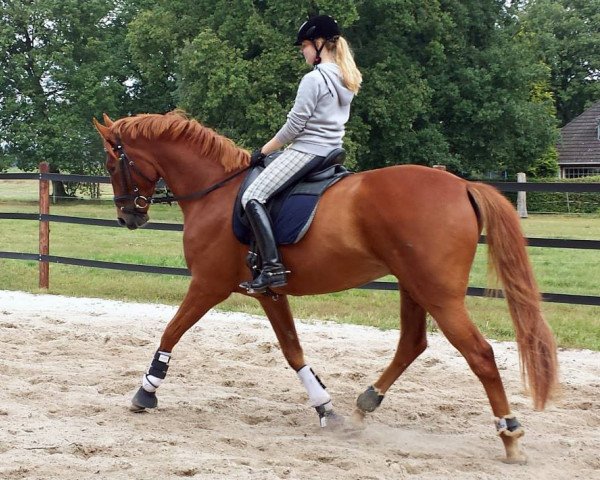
178 227
561 187
45 218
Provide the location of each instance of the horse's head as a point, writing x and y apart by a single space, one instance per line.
132 175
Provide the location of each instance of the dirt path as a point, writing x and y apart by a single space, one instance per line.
232 409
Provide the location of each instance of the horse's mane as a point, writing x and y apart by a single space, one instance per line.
176 125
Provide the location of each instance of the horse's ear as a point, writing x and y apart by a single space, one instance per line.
107 121
102 130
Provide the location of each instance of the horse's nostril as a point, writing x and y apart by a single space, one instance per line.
121 222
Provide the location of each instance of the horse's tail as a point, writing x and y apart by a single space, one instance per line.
508 259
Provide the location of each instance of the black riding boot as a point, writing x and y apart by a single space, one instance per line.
273 273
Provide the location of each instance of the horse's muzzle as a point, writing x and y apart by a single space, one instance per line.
132 220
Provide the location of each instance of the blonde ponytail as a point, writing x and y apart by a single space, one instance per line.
345 60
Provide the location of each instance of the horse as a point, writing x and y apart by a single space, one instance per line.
419 224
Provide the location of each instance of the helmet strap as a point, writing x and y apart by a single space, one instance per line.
318 50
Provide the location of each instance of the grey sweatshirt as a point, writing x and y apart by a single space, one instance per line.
315 124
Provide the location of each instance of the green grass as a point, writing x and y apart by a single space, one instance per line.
557 270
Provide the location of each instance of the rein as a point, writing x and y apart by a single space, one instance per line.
140 201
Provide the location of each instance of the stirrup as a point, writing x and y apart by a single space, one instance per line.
261 285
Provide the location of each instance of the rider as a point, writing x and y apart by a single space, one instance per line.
314 127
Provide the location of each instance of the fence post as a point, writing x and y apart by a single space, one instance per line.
44 266
522 196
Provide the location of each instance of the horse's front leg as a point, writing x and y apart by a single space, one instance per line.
280 315
193 307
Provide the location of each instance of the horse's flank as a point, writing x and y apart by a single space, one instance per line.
176 126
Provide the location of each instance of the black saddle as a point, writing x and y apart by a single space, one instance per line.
293 206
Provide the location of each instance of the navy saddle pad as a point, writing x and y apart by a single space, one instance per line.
293 207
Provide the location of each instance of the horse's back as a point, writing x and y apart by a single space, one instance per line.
413 184
416 202
400 220
417 197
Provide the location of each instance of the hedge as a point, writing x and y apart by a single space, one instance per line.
555 202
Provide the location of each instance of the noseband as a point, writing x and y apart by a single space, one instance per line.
141 202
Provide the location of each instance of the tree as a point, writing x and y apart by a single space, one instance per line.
65 61
498 121
445 81
565 35
234 68
449 82
396 44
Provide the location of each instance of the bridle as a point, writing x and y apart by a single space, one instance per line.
142 202
128 183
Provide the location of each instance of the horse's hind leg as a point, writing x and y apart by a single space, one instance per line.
280 315
413 342
455 323
193 307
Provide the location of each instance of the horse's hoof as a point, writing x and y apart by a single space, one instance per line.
143 400
369 400
136 408
518 459
514 455
332 421
358 418
328 418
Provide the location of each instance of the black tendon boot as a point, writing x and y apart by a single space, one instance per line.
273 273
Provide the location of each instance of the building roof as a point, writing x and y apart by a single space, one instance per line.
579 143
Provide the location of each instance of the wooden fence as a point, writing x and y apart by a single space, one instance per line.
44 218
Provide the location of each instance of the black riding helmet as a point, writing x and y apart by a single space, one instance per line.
322 26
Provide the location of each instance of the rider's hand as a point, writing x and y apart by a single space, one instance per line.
256 157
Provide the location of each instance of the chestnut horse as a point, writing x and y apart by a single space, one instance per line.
419 224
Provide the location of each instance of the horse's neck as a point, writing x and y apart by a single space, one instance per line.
186 173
